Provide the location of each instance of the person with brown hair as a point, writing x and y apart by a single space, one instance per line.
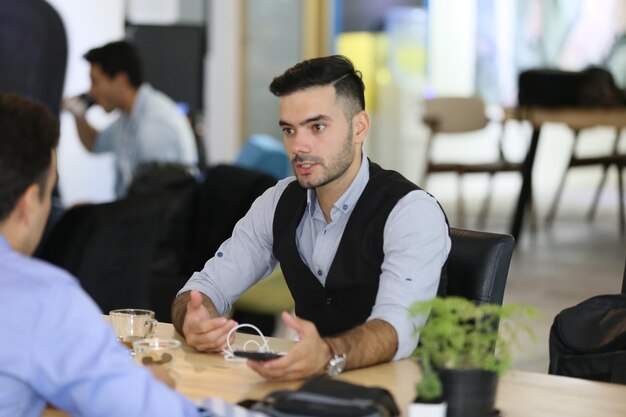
57 348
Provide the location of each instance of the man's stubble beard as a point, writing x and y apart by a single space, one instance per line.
335 169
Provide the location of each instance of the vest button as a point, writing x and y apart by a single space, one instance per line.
329 300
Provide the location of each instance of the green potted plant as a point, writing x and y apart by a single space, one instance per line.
429 401
465 346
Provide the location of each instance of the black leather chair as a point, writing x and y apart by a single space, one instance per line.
124 253
223 198
139 251
478 265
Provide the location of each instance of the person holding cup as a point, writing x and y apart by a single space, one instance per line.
57 348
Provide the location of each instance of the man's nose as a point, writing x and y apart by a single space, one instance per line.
301 143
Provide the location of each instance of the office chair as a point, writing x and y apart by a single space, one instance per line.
265 154
457 115
223 198
139 251
129 253
478 265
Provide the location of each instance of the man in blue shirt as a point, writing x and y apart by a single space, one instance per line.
150 126
56 347
357 244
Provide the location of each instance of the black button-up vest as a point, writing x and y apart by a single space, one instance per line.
352 281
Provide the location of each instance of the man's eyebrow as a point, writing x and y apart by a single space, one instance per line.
317 118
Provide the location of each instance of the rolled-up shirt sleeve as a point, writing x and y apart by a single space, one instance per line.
416 246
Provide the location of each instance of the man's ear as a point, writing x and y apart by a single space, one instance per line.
26 206
361 126
121 78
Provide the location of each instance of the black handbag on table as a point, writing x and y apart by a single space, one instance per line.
325 397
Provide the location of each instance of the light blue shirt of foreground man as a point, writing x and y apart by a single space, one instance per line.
56 347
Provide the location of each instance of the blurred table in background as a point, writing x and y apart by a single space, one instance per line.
576 118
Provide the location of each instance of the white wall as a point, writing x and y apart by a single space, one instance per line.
452 46
223 95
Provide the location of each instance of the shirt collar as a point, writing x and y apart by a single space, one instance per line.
348 200
4 244
140 99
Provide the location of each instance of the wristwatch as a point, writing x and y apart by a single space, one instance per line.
337 362
336 365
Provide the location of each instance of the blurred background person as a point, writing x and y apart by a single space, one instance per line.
150 126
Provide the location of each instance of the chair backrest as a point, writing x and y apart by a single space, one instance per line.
265 154
478 265
223 198
129 253
455 114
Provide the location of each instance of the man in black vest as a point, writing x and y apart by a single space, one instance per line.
357 244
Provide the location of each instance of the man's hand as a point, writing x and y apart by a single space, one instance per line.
86 132
75 106
201 331
306 358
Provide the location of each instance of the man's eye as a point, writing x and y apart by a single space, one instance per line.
287 131
318 127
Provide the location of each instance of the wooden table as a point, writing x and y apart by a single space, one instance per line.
576 119
520 394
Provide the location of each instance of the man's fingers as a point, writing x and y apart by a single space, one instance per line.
195 300
281 369
204 326
209 335
293 322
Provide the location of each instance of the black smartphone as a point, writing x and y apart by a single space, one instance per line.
257 356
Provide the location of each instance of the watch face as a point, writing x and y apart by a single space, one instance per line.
336 365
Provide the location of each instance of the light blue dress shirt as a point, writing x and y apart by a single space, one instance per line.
156 130
415 246
57 348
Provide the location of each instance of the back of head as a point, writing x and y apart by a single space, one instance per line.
336 70
116 57
29 132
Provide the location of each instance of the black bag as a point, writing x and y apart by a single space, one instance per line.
588 340
593 87
322 396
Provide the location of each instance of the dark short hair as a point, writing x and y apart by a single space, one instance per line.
116 57
29 133
334 70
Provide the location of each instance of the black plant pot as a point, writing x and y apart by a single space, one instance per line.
469 392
